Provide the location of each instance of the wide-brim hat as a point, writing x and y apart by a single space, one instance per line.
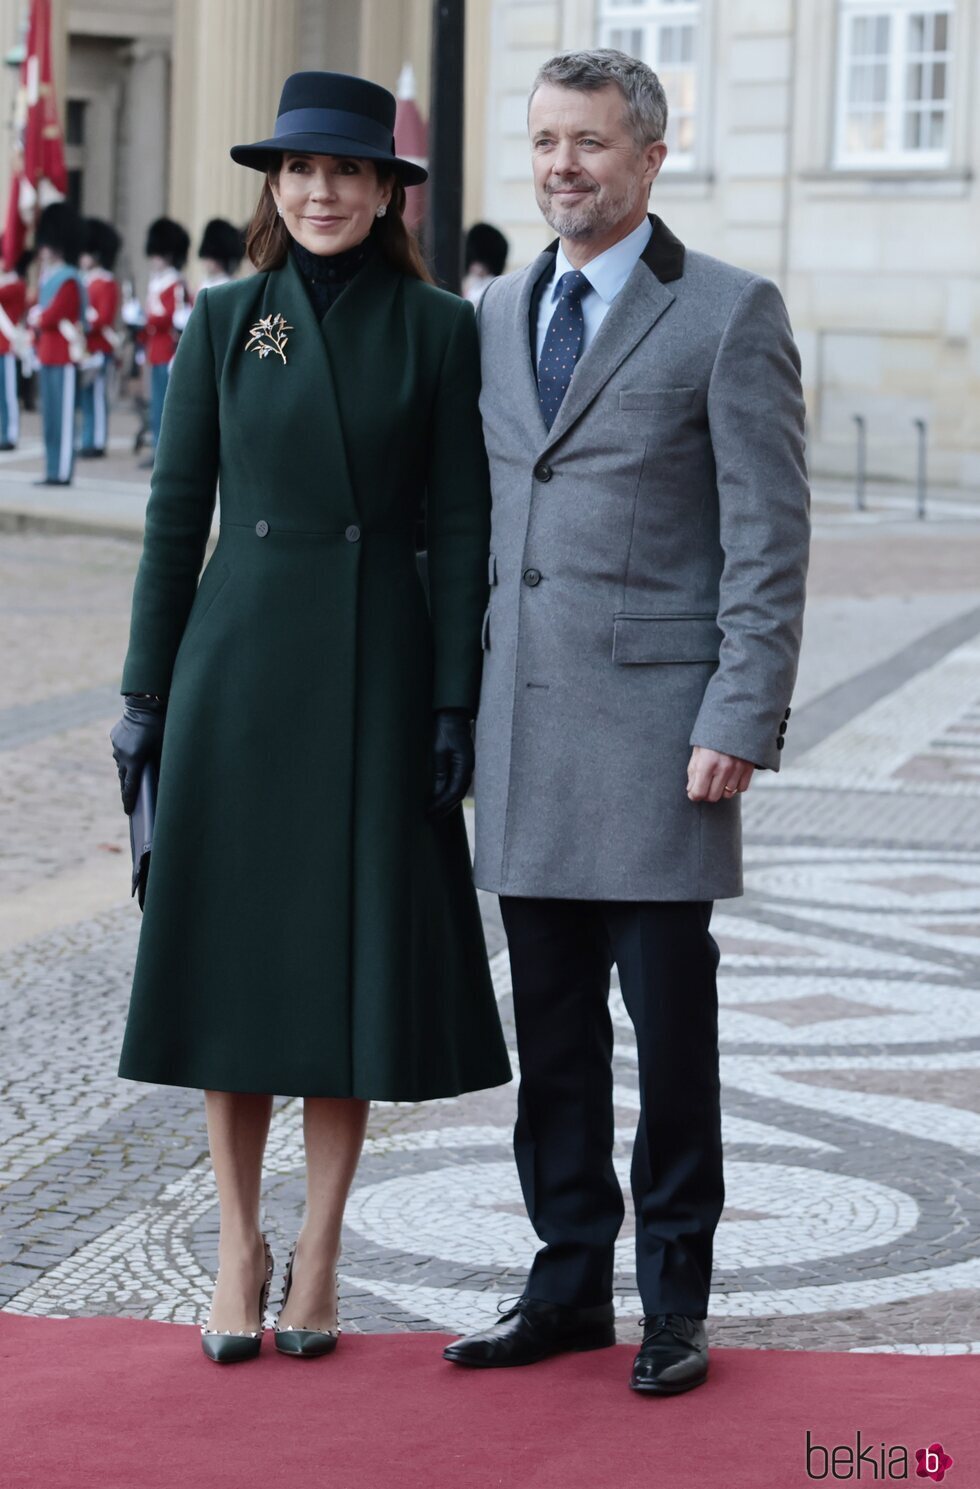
331 113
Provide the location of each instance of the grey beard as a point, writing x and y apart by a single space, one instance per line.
593 217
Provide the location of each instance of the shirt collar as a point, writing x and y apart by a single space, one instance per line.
609 271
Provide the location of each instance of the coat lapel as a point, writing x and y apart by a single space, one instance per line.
638 306
308 362
523 371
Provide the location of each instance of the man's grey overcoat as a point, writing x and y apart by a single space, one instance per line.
648 565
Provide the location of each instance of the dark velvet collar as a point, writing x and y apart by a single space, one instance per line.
331 268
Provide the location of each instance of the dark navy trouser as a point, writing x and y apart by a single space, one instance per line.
561 954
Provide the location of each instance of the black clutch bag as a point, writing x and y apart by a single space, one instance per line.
141 829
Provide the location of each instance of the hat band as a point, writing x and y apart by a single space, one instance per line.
338 122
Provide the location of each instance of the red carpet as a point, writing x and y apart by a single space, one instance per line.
122 1404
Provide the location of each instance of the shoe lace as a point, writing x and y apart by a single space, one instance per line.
507 1307
659 1323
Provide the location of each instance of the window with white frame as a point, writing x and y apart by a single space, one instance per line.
894 83
664 34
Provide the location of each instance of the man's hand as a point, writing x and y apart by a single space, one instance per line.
712 776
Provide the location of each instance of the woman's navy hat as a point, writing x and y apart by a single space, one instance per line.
331 113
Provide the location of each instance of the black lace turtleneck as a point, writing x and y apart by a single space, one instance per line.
327 275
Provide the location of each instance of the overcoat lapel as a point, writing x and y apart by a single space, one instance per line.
309 365
364 338
523 375
638 306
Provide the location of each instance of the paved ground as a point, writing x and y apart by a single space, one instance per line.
851 1004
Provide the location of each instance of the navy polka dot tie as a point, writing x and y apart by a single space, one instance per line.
562 345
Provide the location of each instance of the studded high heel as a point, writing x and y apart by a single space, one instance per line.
303 1343
230 1349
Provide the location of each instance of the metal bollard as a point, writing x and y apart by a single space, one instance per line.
920 495
862 460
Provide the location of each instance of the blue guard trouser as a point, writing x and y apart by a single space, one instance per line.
159 377
9 407
93 398
58 417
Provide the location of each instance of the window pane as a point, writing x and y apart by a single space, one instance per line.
865 132
861 36
937 130
939 39
914 84
868 83
918 26
938 80
913 131
75 122
685 135
628 40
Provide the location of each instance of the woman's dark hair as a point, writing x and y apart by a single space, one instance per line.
267 237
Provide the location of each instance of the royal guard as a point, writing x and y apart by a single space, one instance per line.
221 251
100 247
167 246
57 320
13 335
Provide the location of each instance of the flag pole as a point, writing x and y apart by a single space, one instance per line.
445 199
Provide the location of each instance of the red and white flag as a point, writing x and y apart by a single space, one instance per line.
411 142
38 174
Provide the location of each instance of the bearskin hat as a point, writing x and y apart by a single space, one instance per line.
223 242
166 239
59 228
486 244
101 240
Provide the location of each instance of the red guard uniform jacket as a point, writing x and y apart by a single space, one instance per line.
51 346
103 306
13 298
166 291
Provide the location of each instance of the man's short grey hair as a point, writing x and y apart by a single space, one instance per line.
646 101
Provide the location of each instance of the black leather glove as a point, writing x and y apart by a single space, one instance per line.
136 739
453 758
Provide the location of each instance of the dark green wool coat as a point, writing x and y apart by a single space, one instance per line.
307 930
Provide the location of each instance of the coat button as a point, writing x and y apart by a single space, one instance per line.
787 713
261 528
543 472
353 534
780 742
532 577
782 727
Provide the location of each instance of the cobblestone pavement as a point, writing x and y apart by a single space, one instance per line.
850 999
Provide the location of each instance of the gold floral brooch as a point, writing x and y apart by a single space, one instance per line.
269 335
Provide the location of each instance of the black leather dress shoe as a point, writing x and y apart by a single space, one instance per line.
532 1331
673 1356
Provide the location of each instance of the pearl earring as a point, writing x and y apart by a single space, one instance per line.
381 210
279 210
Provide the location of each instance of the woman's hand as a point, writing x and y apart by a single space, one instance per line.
452 760
136 740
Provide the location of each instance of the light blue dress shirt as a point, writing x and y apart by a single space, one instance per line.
607 273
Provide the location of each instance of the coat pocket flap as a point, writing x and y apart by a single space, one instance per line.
665 638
